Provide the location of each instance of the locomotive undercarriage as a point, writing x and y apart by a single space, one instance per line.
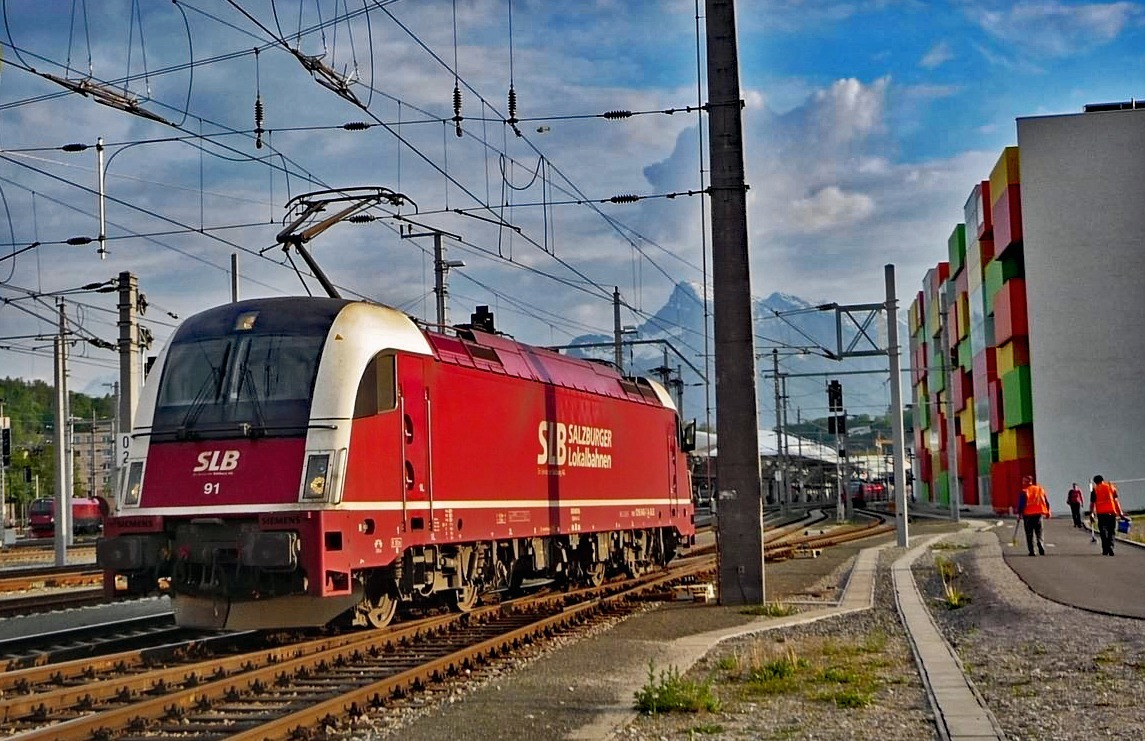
227 573
459 574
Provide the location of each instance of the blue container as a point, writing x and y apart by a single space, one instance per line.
1123 526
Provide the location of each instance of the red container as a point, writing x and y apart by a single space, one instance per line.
1007 215
1011 318
995 393
1004 483
985 365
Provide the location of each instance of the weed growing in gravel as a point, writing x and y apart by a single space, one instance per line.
850 699
771 609
951 574
728 663
944 545
1107 655
706 729
670 692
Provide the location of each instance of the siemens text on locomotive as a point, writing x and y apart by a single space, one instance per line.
303 460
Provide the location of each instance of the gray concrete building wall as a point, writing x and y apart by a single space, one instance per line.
1083 218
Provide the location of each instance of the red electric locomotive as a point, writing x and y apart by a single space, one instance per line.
301 460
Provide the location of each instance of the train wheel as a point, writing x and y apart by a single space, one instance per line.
464 599
379 613
594 574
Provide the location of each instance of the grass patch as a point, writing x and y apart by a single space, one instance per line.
770 609
668 692
943 545
850 698
826 670
706 729
728 663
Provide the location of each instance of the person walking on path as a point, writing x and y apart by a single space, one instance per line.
1032 507
1104 503
1073 499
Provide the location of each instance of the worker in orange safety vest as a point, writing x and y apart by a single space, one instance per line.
1104 503
1032 507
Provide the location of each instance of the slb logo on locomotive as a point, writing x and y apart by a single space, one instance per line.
576 446
217 460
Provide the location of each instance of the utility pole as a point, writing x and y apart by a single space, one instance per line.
441 268
741 576
617 330
778 435
5 459
128 357
892 314
234 277
63 457
786 443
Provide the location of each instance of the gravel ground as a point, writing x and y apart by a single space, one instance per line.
1046 671
853 678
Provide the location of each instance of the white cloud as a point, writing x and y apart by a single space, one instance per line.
937 55
831 208
1056 29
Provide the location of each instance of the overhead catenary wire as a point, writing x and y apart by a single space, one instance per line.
544 203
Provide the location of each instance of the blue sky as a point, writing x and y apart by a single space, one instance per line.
866 124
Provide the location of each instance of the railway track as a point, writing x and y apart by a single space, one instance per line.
26 552
270 692
286 685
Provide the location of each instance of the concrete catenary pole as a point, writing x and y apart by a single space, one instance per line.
741 578
60 438
892 314
617 330
128 358
781 464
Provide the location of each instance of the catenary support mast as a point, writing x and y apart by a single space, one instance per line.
741 576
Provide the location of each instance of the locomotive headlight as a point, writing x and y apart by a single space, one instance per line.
316 477
133 484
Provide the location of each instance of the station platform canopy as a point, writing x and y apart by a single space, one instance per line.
797 447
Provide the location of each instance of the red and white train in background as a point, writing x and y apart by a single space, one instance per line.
298 461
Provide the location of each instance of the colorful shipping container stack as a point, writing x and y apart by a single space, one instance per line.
981 375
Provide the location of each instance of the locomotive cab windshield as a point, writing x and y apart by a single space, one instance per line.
241 373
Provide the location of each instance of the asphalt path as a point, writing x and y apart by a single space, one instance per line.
1074 572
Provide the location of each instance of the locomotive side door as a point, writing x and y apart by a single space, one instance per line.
417 493
673 469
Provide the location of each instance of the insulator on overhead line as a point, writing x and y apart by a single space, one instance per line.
362 219
356 126
625 198
73 147
512 105
616 115
258 117
457 109
76 241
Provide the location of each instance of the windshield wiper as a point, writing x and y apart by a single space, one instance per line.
258 429
213 380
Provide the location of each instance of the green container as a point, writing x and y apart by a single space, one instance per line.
1017 399
956 245
991 283
965 355
922 491
942 488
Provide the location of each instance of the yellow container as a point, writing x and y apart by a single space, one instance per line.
1006 172
966 420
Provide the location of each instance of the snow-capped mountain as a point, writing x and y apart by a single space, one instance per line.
802 333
